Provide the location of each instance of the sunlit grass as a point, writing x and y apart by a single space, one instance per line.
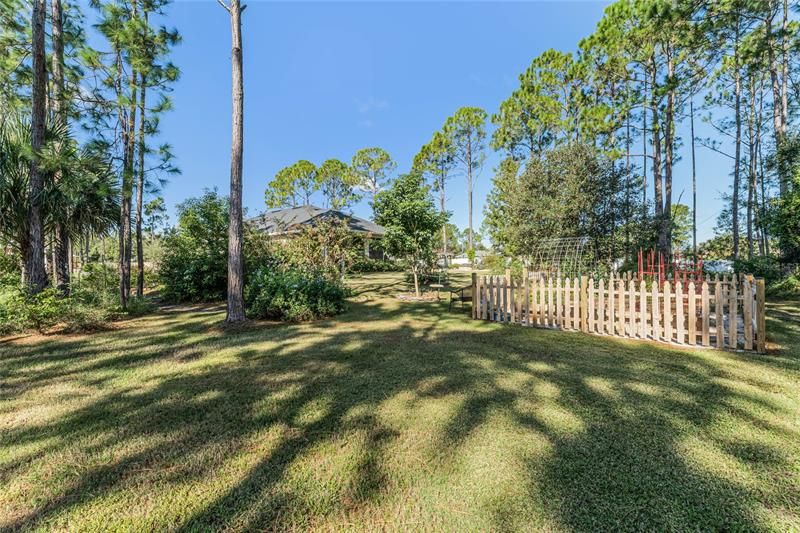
394 415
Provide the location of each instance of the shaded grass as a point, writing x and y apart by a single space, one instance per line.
394 415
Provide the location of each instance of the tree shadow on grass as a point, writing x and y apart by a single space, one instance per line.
622 420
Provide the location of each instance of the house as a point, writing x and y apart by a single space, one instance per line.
282 224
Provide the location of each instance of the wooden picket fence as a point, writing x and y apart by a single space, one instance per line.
721 312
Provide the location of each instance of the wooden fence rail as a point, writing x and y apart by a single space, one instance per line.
722 312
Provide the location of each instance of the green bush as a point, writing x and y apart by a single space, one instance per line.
291 295
365 265
768 268
788 287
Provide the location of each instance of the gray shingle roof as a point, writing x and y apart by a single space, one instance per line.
290 220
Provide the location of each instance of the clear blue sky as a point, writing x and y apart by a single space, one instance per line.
325 79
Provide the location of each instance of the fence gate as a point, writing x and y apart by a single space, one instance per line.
720 312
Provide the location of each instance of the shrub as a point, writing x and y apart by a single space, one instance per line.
194 265
768 268
366 264
788 287
292 295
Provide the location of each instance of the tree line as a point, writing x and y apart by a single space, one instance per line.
60 187
650 67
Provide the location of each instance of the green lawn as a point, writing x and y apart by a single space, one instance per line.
395 415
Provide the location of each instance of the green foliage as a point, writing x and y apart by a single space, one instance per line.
292 185
372 168
411 220
326 249
365 265
717 247
768 268
572 191
337 182
194 266
291 295
9 268
788 287
155 216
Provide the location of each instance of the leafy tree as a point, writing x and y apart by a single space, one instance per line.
155 216
372 166
411 220
436 161
82 201
466 133
292 185
194 264
572 191
337 183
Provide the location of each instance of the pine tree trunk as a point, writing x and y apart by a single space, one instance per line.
777 99
140 185
738 147
469 194
36 277
60 252
658 198
235 267
694 183
442 200
669 146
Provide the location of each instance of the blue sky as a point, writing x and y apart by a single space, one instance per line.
325 79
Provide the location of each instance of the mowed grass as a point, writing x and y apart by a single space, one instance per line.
395 415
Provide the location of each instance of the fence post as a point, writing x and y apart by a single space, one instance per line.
584 298
475 295
507 296
761 339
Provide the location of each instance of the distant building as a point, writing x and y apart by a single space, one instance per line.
283 224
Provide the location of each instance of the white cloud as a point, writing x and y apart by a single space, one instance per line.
370 104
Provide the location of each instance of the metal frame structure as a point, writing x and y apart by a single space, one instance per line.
566 256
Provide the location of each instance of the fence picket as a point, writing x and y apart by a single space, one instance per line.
747 313
692 314
679 322
655 326
632 308
621 308
601 307
667 313
761 332
590 308
559 308
719 312
705 313
642 309
733 316
610 322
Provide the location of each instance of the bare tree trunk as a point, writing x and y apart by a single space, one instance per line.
644 158
665 235
694 182
36 277
738 146
140 185
471 234
442 201
60 259
777 99
658 199
752 183
235 267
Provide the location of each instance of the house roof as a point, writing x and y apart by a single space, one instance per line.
290 220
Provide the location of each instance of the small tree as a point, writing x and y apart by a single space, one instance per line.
372 166
408 212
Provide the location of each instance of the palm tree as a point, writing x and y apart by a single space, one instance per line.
83 200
